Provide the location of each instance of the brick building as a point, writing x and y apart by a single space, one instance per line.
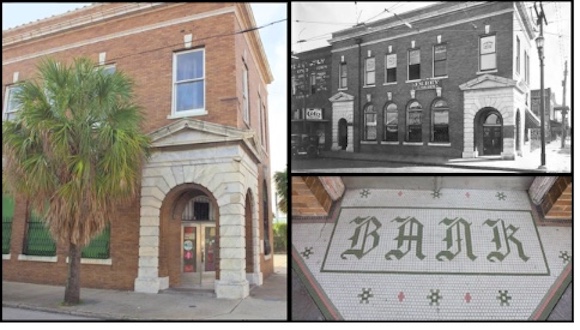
450 79
310 93
202 218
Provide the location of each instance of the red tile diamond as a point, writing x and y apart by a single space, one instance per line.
400 193
467 194
401 296
467 297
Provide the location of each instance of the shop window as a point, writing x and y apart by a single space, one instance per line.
38 240
189 83
342 74
414 122
487 54
369 71
391 123
370 133
440 120
266 221
11 106
440 60
390 68
98 248
7 216
414 64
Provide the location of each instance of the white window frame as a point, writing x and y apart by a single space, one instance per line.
193 112
393 68
494 53
340 71
409 64
9 112
368 72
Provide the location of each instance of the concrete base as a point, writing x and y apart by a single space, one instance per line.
151 284
232 290
255 278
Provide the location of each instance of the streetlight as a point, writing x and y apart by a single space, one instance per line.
540 45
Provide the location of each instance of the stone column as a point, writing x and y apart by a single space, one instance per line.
232 283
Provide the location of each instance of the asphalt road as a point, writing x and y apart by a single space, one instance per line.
323 165
19 314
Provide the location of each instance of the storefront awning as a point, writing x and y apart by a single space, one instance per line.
532 121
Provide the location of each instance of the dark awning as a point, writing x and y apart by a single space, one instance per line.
532 121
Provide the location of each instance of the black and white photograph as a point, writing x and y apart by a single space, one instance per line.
430 87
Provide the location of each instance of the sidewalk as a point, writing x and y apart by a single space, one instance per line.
267 302
558 160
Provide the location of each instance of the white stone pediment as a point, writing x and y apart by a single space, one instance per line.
341 97
191 132
488 81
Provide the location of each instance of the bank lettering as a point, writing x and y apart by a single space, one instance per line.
458 239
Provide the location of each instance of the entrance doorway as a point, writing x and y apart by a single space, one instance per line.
492 137
198 254
342 134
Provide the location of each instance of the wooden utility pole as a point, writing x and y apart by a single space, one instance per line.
564 110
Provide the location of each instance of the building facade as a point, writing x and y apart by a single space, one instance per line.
310 94
450 79
203 217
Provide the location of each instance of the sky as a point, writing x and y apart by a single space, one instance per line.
274 39
316 29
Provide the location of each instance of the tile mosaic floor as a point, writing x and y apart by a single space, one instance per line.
424 255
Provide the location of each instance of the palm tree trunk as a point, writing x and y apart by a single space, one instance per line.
72 293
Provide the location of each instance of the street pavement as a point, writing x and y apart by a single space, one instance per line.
14 314
558 160
267 302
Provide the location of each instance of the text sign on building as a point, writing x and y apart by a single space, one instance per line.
426 84
313 114
432 240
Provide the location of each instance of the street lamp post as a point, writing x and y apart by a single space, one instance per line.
540 44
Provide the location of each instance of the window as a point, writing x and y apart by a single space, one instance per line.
526 67
487 57
38 240
369 71
370 133
440 61
264 126
518 55
440 120
266 221
342 71
109 69
189 83
246 94
390 68
293 85
391 123
7 216
198 209
11 106
414 64
313 83
98 248
414 122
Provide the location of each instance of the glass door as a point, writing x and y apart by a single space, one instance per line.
198 254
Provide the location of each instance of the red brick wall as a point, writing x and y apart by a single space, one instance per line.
558 202
309 197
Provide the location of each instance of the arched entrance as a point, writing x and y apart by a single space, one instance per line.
189 242
342 134
488 125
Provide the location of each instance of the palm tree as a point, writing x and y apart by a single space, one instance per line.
74 152
281 181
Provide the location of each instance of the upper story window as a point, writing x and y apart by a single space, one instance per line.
109 69
246 94
342 71
189 83
390 68
527 67
414 61
487 53
440 60
313 83
11 106
369 71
